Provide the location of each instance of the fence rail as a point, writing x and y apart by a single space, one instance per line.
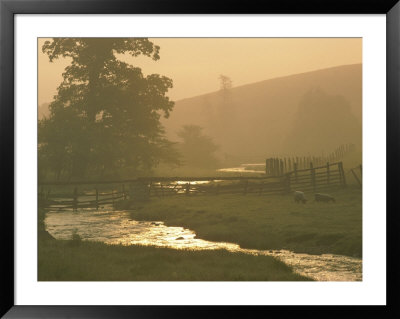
280 166
357 174
328 176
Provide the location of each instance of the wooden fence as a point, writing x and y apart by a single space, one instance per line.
357 174
94 199
310 179
316 179
280 166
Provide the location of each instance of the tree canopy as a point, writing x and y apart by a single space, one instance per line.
198 150
225 82
105 116
322 123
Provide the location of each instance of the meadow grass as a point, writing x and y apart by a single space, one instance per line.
266 222
76 260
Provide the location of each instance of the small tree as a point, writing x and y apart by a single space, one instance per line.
225 82
197 149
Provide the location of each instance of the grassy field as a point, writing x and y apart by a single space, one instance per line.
93 261
267 222
261 222
77 260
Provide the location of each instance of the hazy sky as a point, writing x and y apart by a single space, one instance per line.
194 64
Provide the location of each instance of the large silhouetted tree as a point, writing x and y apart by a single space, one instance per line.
105 116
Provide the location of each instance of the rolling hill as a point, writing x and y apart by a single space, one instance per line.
261 119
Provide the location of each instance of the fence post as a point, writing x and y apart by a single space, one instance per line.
355 176
187 188
295 171
149 192
361 170
270 166
273 166
246 182
278 167
75 200
123 191
328 177
313 183
341 170
285 168
97 199
286 183
157 191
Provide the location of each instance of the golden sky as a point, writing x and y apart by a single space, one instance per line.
194 64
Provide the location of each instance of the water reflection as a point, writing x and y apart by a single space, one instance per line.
245 168
116 227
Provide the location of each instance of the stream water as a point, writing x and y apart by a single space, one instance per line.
116 227
245 168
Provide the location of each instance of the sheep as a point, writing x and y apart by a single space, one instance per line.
299 197
324 198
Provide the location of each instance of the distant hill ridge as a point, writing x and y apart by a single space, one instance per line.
256 119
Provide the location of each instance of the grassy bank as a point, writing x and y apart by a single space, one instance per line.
77 260
267 222
93 261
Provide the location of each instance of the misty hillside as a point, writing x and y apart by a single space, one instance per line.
270 117
322 122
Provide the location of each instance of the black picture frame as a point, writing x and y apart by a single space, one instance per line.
8 9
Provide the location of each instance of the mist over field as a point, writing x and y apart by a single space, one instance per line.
307 113
200 159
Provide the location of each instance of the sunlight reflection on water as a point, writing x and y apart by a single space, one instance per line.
116 227
245 168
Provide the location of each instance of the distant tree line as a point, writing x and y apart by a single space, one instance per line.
198 150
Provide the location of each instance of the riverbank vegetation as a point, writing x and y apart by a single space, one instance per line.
267 222
76 260
79 260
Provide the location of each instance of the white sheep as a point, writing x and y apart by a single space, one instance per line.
299 197
324 198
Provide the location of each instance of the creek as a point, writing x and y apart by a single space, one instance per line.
116 227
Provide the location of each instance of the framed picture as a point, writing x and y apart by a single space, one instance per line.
174 154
